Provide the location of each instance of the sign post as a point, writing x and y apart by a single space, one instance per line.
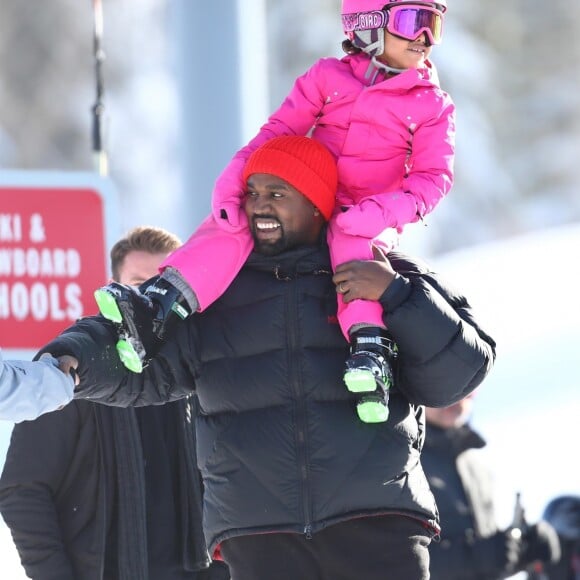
55 231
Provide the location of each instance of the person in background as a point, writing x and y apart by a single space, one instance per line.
295 485
472 547
29 389
101 493
563 513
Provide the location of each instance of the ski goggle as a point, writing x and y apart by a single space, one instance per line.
407 21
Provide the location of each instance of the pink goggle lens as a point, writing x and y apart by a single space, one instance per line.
410 21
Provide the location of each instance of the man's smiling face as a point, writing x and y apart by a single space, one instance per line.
280 217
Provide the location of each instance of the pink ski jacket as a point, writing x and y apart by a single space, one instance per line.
393 139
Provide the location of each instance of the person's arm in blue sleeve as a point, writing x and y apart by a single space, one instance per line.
29 389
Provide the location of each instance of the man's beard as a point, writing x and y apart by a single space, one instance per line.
285 241
270 248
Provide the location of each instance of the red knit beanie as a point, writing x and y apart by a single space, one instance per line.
304 163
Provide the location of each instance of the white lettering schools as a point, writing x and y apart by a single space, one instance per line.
40 301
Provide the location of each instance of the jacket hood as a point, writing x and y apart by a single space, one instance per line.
458 439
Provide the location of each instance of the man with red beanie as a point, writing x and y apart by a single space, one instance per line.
305 163
295 486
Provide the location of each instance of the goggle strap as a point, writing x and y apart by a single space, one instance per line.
358 21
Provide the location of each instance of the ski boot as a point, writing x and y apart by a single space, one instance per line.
369 370
142 319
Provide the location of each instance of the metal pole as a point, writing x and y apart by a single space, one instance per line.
214 55
99 153
253 63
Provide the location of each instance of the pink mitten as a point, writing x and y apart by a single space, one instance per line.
365 219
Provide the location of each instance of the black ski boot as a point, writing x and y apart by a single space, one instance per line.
142 319
369 369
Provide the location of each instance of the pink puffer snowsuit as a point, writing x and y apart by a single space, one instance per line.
394 143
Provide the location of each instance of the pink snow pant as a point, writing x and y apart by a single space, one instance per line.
343 248
212 257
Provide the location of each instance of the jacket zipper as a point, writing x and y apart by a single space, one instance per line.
295 377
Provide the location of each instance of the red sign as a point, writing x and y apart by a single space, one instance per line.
52 258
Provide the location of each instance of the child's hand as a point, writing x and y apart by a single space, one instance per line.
365 219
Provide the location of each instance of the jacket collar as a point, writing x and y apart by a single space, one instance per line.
369 74
300 261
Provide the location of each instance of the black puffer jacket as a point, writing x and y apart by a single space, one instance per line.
279 444
66 471
462 485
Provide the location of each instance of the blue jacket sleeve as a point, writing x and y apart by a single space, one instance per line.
29 389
